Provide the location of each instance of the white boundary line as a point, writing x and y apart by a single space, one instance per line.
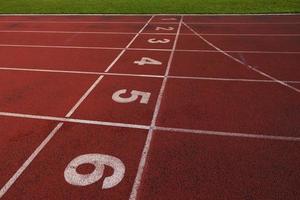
144 75
140 22
73 120
154 33
230 134
154 14
144 49
239 61
80 22
147 146
12 180
144 127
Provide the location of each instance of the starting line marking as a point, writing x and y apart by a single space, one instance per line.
144 127
156 33
144 75
143 49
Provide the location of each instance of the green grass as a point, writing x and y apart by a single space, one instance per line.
149 6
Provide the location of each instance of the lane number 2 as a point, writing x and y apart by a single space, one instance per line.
164 28
147 61
134 95
154 40
99 161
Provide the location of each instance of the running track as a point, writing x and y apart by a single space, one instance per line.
150 107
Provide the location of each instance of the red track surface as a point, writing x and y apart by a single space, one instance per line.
214 116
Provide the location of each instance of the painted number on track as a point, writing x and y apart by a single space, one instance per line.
169 19
154 40
164 28
134 95
99 161
147 61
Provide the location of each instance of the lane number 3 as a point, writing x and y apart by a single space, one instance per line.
154 40
134 95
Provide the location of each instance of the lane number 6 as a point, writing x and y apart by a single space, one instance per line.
99 161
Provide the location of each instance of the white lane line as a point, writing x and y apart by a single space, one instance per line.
73 120
12 180
152 33
246 23
140 22
90 32
79 22
229 79
239 61
107 69
147 146
79 72
144 75
238 51
157 14
251 34
230 134
144 127
143 49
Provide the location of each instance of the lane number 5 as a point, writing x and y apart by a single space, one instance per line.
134 95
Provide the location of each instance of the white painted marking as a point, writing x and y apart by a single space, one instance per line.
72 120
143 49
78 22
99 161
237 60
236 23
147 61
230 134
147 146
169 19
144 75
143 127
128 45
153 33
43 144
13 179
159 28
145 96
154 41
158 14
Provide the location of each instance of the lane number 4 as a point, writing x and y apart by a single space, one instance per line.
147 61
